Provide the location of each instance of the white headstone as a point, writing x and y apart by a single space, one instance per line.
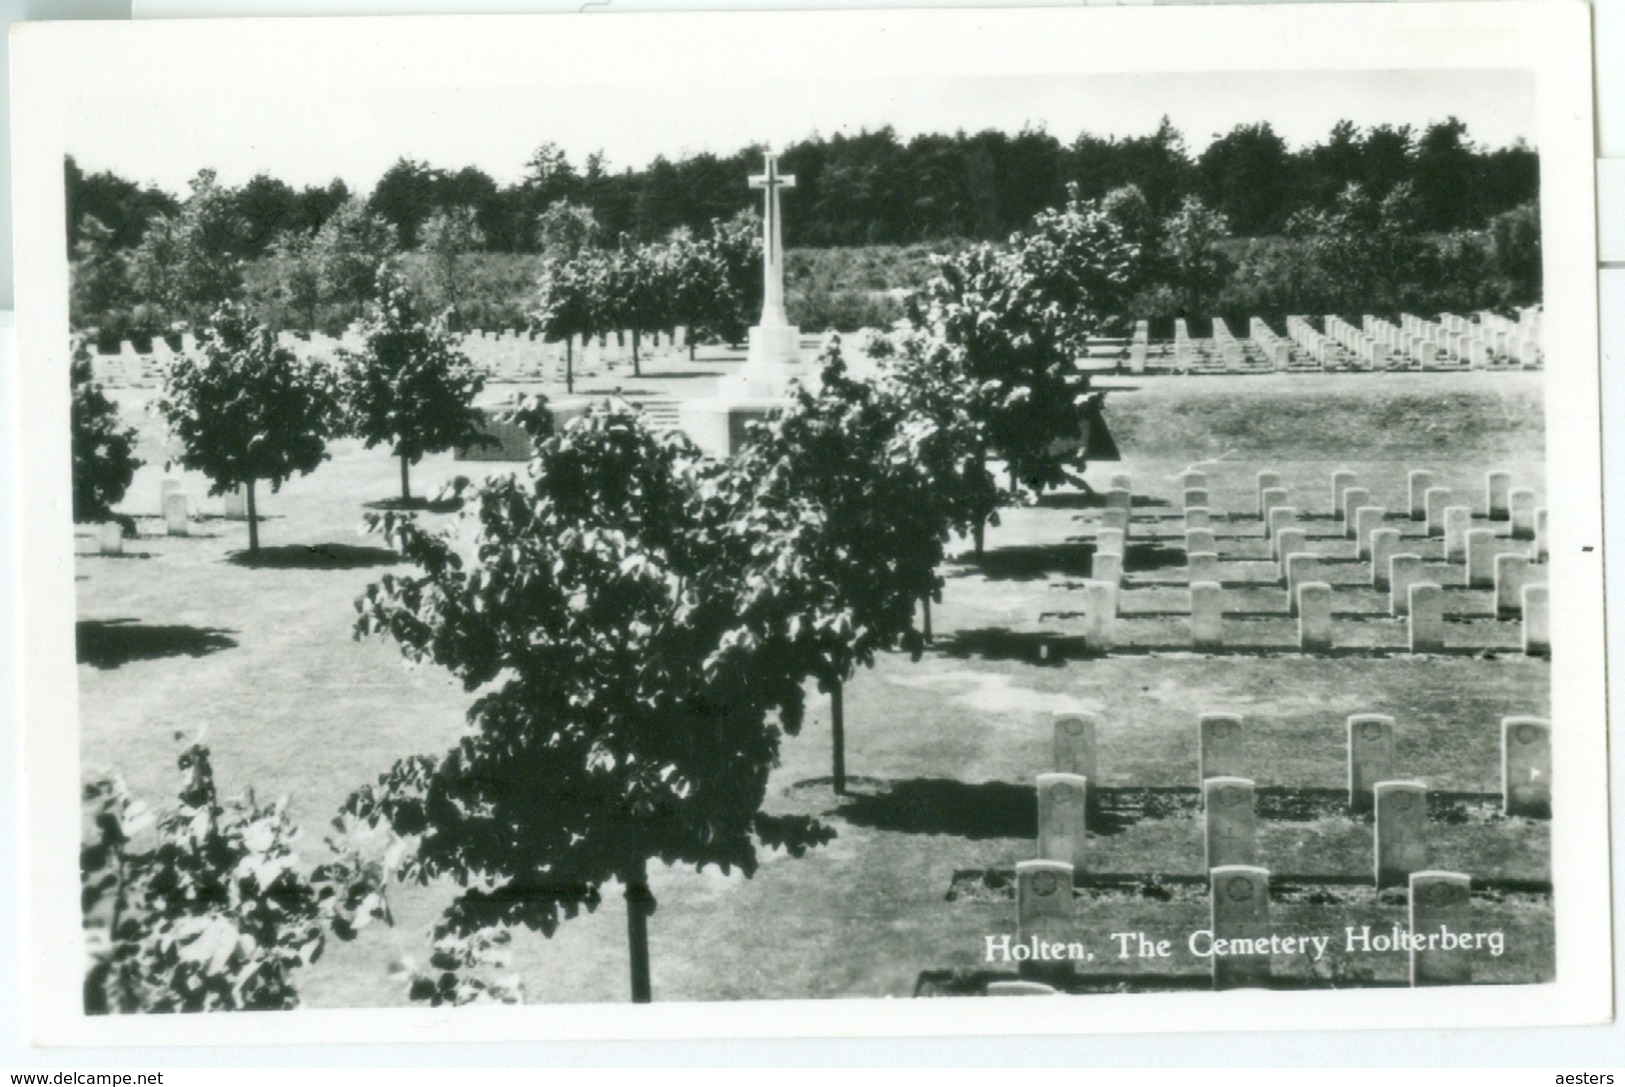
1526 767
1401 831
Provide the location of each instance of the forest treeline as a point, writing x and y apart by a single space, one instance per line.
876 188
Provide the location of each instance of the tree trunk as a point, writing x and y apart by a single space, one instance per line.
691 348
837 727
253 521
636 370
979 534
926 624
406 489
569 364
640 902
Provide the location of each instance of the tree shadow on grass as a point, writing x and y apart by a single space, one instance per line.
108 643
1025 562
989 809
1040 647
416 505
327 556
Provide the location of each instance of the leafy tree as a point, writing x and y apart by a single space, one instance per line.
409 387
564 230
188 264
216 914
619 612
248 410
267 208
300 288
567 304
1247 176
450 238
104 460
99 283
1197 264
1515 237
1081 257
996 327
861 472
351 248
635 291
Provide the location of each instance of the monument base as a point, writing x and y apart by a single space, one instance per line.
717 424
774 360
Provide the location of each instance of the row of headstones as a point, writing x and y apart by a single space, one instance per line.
1277 350
1046 945
1519 588
1399 806
172 502
1045 906
1489 340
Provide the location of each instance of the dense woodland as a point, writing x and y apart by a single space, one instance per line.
1375 219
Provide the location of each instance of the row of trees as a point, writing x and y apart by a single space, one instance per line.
875 187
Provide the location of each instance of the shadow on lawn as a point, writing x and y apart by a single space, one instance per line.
108 643
327 556
1028 561
1003 644
989 809
415 505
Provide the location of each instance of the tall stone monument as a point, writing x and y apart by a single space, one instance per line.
717 424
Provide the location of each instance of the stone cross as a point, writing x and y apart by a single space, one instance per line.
1401 831
1240 903
1371 757
1440 901
771 181
1526 767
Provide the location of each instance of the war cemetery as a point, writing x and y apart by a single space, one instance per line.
1069 613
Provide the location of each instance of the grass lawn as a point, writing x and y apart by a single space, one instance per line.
179 634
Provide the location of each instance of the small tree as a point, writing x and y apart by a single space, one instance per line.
353 245
450 238
188 264
248 410
104 460
860 472
1197 266
619 613
216 913
566 305
409 387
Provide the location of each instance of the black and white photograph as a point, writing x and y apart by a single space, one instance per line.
809 521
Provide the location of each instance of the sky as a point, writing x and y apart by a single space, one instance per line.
310 130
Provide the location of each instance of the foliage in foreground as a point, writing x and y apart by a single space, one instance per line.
622 612
207 907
